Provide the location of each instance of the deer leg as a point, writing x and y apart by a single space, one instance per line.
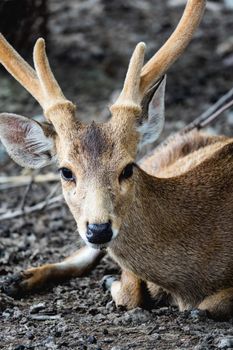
219 306
77 265
129 292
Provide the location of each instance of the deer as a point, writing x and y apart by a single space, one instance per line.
167 219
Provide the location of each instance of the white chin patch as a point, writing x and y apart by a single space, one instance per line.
115 233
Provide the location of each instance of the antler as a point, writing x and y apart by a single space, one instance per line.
138 81
174 46
40 82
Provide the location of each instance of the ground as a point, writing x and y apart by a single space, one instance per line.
89 49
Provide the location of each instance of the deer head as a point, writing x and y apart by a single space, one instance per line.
96 161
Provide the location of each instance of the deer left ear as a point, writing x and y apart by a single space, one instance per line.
151 121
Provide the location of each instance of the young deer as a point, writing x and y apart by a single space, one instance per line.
167 223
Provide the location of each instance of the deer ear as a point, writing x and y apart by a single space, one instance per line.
27 142
152 118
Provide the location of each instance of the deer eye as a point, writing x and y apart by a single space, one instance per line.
67 174
127 172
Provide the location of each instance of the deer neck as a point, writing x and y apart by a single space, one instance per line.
152 222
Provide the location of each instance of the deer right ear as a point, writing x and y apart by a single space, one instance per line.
26 141
151 121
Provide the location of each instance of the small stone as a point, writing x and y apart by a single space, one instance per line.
20 347
111 306
155 336
34 309
30 335
107 282
91 339
105 331
226 342
198 314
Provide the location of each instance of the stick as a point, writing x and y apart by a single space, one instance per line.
225 102
23 180
49 204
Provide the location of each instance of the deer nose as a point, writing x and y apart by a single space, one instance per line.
99 233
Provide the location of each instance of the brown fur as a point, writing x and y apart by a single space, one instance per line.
172 219
188 249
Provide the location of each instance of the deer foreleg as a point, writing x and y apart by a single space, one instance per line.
129 292
77 265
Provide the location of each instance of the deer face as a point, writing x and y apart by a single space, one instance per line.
97 179
96 161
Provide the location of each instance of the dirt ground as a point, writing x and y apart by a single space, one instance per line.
89 46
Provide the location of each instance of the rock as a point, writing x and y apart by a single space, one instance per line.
20 347
107 282
225 343
30 335
155 336
111 306
34 309
198 314
91 339
136 316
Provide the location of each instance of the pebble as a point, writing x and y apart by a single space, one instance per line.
198 314
34 309
155 336
136 316
91 339
105 331
225 342
30 335
111 306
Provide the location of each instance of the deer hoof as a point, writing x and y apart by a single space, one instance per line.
15 285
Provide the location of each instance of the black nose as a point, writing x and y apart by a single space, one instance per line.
99 233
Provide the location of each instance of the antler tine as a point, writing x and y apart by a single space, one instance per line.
49 85
129 95
174 46
41 83
19 69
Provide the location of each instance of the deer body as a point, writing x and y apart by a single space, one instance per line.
169 226
177 235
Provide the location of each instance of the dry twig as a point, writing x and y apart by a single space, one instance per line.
7 182
224 103
48 203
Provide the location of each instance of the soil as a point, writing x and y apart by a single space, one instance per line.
89 49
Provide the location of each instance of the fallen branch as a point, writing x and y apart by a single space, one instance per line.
224 103
24 180
48 203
